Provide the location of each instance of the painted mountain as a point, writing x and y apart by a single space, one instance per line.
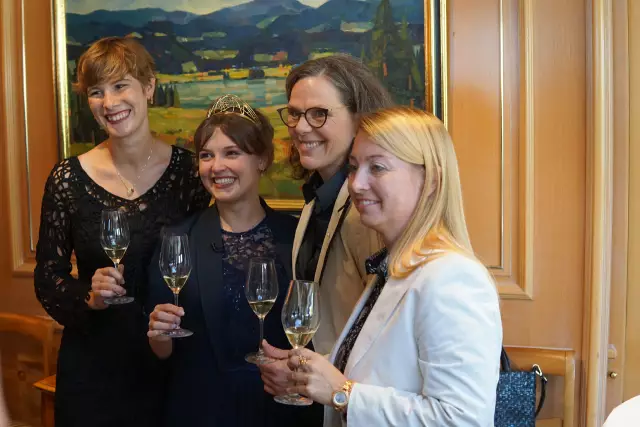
244 35
248 49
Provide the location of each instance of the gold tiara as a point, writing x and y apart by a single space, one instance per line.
231 104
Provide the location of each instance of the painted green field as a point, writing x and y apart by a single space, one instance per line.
177 126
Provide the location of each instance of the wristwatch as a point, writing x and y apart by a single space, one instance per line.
340 397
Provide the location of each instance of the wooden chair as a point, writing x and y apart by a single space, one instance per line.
553 362
29 356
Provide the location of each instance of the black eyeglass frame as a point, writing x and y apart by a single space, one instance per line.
304 113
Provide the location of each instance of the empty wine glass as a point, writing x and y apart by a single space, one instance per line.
175 266
114 236
300 320
261 290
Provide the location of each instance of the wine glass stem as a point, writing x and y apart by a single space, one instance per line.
261 335
175 299
116 264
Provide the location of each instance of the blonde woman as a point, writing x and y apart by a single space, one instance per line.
422 345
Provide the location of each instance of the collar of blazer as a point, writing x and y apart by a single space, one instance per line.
340 209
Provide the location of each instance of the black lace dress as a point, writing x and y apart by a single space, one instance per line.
106 375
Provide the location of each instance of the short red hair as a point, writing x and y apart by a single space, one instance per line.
110 59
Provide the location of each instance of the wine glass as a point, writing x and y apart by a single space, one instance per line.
261 290
114 236
175 266
300 320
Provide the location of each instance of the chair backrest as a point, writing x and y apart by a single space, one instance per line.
38 328
553 362
29 353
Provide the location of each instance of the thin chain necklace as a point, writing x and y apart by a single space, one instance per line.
131 189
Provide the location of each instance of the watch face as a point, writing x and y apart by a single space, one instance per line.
340 398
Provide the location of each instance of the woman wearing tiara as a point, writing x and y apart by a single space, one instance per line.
210 383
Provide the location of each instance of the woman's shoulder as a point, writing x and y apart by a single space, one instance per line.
183 154
449 265
64 168
282 225
185 225
63 174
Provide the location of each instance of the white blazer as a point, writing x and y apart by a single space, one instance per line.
429 352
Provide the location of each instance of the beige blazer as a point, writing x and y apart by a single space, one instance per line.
341 270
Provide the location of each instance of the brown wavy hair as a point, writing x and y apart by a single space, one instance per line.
110 59
360 91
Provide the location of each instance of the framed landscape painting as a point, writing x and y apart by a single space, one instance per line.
207 48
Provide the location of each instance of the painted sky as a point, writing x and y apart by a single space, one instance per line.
194 6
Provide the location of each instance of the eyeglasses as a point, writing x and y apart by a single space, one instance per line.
316 116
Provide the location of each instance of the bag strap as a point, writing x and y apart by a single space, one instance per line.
543 387
505 363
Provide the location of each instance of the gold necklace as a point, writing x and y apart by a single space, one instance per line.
131 190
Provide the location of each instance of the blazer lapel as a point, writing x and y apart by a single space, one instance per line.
340 209
390 297
303 222
352 318
208 254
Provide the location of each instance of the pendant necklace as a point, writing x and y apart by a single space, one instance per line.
131 189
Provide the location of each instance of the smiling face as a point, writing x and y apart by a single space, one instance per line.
230 174
321 149
385 190
120 107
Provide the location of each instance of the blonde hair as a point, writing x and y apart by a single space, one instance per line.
110 59
438 221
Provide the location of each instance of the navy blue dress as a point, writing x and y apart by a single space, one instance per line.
209 382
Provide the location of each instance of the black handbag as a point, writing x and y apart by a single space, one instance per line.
516 395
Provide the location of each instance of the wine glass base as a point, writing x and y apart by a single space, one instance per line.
118 300
258 359
177 333
294 400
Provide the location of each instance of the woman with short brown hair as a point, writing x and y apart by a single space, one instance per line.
106 374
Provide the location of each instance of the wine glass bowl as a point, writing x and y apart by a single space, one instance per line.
175 266
300 320
261 290
114 237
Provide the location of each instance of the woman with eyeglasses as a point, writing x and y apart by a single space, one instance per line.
326 97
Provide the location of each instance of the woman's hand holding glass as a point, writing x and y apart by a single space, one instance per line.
106 283
313 375
300 320
165 317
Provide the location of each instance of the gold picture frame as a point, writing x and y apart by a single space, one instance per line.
435 77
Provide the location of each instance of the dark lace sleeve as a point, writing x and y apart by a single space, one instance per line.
60 294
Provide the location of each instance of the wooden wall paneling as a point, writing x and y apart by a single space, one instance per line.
631 364
600 211
517 100
620 236
30 140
